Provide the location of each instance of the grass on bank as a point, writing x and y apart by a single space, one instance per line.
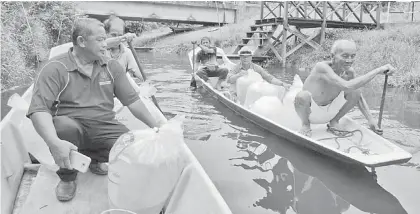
396 45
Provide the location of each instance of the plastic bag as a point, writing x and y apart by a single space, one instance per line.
281 112
270 107
259 89
244 82
144 167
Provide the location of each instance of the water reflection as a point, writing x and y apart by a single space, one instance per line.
305 182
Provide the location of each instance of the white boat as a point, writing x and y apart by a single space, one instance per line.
194 192
363 148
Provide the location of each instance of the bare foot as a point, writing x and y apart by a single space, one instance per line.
334 124
374 127
306 130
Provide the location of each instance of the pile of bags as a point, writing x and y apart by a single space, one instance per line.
271 103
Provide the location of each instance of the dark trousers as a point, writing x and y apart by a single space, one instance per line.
204 73
94 140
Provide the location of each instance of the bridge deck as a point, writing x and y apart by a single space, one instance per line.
314 23
158 12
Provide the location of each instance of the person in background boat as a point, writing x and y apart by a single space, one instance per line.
246 63
73 100
206 63
332 89
117 50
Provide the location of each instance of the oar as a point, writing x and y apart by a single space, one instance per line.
142 72
381 109
193 83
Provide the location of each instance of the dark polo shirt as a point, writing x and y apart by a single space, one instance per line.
78 95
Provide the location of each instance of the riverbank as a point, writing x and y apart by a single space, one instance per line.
396 45
167 42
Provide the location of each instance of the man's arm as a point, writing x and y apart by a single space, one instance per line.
115 41
46 89
330 76
139 110
43 124
267 76
128 96
235 74
207 49
132 64
362 104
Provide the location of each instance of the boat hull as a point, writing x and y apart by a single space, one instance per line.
375 151
92 193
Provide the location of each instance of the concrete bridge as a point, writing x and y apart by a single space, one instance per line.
178 12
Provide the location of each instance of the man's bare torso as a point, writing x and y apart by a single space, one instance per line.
323 92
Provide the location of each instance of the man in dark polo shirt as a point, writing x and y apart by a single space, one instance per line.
207 65
73 100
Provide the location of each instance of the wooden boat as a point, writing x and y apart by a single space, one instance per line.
194 192
144 49
367 148
181 29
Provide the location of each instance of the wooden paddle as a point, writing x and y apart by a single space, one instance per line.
142 72
193 83
381 109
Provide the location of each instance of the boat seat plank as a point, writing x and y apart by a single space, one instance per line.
91 195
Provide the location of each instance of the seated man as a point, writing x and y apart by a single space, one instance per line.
332 89
208 66
246 63
73 100
114 28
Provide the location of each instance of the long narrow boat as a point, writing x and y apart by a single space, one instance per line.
364 147
194 192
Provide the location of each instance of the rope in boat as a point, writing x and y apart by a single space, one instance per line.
346 135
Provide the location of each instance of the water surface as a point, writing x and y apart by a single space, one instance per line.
258 172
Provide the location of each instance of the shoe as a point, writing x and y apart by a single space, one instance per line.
65 191
99 168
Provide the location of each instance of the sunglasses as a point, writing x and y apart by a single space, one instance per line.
245 53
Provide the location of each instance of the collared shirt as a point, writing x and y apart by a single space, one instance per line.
78 95
125 58
264 74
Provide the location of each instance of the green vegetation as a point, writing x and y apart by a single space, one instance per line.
29 30
396 45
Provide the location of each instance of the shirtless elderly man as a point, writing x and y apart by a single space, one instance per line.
332 89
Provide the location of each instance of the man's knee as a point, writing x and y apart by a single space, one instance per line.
202 74
68 129
353 95
303 99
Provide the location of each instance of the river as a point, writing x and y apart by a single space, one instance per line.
236 153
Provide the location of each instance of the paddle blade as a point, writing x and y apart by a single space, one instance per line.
193 83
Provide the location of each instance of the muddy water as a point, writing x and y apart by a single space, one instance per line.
257 172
